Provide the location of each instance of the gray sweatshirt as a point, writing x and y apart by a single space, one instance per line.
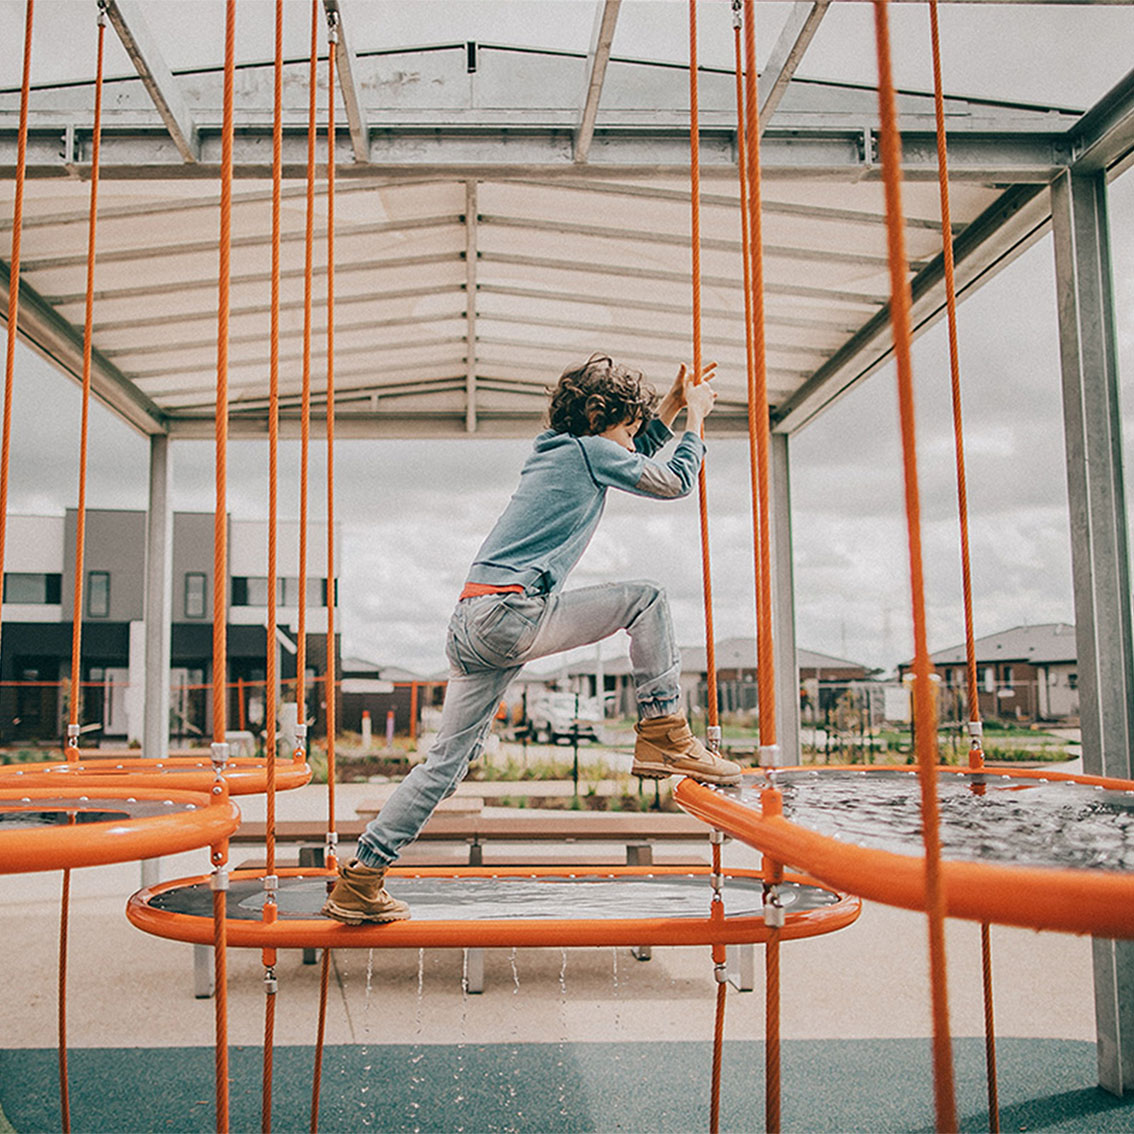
550 519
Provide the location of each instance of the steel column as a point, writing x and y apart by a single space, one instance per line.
783 604
158 600
1093 438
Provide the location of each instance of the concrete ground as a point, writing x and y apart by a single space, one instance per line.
866 983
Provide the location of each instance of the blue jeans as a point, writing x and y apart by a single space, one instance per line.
490 638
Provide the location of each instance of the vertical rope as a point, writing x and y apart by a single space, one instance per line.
954 363
758 399
305 411
976 753
330 666
317 1080
64 1083
716 914
72 748
695 241
266 1084
14 288
220 976
220 557
220 515
772 1094
749 337
273 446
718 1057
270 905
989 1030
924 709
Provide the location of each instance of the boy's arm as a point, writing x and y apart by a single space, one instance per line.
614 467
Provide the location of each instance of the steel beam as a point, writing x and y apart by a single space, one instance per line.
606 20
802 23
127 20
1092 426
1004 230
529 148
61 343
1103 139
158 608
347 69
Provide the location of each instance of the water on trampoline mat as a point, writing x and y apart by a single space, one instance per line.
591 897
57 818
1025 822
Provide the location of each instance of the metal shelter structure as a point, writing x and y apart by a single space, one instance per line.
502 209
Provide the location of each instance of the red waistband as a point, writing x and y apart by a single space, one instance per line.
475 590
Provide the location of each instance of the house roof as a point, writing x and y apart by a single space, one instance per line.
731 653
1046 643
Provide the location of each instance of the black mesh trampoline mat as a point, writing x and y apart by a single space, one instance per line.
583 897
63 810
986 816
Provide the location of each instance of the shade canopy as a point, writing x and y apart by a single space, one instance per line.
501 212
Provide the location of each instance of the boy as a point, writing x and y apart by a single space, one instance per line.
604 430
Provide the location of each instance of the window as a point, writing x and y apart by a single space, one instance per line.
252 590
195 594
98 594
1072 681
24 587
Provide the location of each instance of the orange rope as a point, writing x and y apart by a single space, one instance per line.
772 1033
718 1055
270 907
749 338
317 1081
220 556
72 747
266 1085
305 414
220 977
220 516
989 1030
14 288
954 361
758 397
716 913
64 918
695 240
330 660
976 753
273 446
924 708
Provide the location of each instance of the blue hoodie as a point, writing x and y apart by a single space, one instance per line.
554 512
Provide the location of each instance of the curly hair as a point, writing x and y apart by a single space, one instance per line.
591 398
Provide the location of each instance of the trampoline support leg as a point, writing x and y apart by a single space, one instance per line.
741 961
474 971
312 856
203 982
640 854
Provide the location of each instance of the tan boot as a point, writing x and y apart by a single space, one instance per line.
666 747
359 896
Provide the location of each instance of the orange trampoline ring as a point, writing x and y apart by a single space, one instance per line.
170 822
1072 900
245 775
491 932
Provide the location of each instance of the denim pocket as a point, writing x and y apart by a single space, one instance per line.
503 629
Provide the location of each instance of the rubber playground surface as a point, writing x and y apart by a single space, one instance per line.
829 1085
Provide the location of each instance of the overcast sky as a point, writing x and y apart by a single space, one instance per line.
413 513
